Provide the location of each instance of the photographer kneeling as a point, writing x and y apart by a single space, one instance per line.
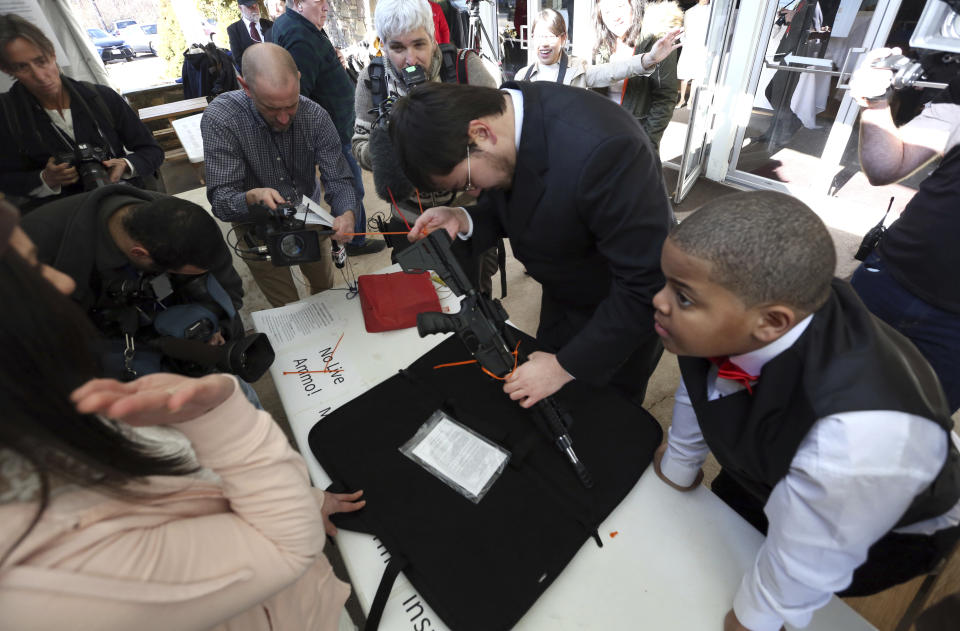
156 277
62 136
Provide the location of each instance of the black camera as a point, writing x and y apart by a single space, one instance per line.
285 237
88 160
141 289
413 76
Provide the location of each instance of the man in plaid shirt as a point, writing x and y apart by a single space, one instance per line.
262 145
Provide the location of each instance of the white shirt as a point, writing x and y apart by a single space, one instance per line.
852 478
247 23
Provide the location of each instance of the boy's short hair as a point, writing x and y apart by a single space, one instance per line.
764 247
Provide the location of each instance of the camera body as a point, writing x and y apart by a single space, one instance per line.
413 76
88 160
285 237
144 288
174 319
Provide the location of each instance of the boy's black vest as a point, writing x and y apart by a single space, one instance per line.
846 361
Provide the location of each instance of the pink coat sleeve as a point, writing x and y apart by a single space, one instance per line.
194 558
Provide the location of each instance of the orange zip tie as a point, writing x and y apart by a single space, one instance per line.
335 347
358 234
398 210
419 203
469 361
473 361
325 366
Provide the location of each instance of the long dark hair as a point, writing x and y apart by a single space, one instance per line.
607 41
46 341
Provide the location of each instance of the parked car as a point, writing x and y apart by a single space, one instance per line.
110 48
141 38
122 24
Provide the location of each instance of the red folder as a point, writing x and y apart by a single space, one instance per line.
392 301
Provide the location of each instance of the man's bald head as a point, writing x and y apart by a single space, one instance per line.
268 62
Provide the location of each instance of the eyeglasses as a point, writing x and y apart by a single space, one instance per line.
546 39
469 186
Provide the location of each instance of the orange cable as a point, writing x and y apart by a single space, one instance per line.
419 203
398 210
469 361
473 361
335 347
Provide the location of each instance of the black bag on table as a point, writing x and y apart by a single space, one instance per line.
480 566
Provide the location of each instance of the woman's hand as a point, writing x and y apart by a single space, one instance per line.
159 399
663 47
339 503
116 167
56 174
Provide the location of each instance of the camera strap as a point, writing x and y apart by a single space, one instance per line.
102 109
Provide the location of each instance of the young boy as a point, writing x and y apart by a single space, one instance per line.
832 431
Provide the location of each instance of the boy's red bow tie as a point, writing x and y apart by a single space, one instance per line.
726 369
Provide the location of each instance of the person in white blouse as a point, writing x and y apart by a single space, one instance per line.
51 124
832 430
553 64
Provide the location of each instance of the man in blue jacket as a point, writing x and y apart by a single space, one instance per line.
324 80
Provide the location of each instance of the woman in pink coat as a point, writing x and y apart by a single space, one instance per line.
210 523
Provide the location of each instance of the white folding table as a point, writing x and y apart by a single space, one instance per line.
670 560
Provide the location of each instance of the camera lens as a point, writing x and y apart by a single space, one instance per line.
292 245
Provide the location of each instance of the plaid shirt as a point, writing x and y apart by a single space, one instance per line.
241 152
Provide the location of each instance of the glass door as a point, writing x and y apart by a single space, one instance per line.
703 48
796 101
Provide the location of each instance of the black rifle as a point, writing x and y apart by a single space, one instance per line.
481 326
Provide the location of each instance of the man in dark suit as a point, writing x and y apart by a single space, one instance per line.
247 31
574 183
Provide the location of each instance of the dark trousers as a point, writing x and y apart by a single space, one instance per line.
360 214
935 332
559 324
894 559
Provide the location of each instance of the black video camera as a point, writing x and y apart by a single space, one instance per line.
88 160
144 288
285 238
413 76
181 328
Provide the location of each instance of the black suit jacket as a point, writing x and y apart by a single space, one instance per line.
587 216
240 39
